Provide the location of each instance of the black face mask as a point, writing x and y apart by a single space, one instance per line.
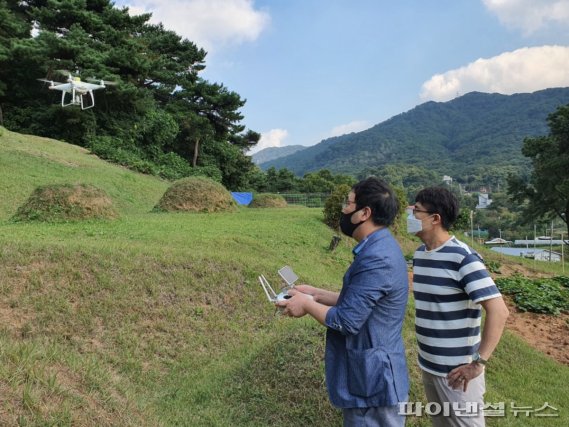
346 224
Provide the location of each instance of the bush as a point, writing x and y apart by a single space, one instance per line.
170 165
268 201
549 296
124 153
65 202
333 205
196 194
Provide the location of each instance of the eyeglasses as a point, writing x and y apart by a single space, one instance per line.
415 210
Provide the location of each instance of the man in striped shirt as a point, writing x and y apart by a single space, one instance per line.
451 287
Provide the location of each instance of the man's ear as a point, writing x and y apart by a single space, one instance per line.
366 212
437 219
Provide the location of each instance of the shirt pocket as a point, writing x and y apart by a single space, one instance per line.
369 372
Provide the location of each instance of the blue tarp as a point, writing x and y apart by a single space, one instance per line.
242 198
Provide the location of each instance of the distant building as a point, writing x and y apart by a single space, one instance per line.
447 180
540 242
484 201
498 241
538 255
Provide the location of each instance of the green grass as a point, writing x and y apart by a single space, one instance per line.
27 162
157 319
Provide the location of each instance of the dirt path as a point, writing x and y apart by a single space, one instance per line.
546 333
549 334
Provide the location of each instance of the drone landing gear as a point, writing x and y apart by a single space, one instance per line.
84 100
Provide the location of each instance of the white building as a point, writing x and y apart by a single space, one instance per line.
484 201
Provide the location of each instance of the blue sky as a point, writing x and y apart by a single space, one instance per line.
312 69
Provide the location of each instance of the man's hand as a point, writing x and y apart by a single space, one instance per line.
296 305
461 375
307 289
321 296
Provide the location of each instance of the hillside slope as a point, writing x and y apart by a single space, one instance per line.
455 138
158 319
27 162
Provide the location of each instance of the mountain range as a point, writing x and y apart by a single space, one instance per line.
272 153
458 137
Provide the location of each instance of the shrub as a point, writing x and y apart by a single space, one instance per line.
196 194
124 153
493 266
170 165
268 201
548 296
333 205
66 202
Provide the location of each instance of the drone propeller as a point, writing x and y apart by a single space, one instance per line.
101 82
51 82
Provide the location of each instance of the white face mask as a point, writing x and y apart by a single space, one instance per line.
414 225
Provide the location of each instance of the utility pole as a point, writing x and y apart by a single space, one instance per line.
471 228
551 241
562 254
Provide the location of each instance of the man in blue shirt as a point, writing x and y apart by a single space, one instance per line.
366 372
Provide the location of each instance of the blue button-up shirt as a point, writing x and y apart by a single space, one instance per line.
365 355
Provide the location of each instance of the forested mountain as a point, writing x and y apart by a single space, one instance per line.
272 153
476 134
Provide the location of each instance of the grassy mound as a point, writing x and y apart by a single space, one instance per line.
196 194
268 201
66 202
28 162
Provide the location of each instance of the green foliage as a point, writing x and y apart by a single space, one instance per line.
546 194
400 223
493 266
463 221
550 296
333 206
160 106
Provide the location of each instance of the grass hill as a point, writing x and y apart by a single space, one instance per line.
458 137
27 162
157 319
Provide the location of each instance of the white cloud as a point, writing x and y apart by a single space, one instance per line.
272 138
523 70
529 15
210 24
354 126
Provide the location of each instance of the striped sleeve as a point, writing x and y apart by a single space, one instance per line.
476 280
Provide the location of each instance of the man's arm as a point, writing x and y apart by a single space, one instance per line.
322 296
496 315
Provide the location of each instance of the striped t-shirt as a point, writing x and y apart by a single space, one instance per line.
449 282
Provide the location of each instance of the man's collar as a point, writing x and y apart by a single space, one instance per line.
357 249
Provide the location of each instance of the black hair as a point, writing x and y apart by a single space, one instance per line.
379 197
441 201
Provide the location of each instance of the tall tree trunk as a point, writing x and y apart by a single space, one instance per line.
196 151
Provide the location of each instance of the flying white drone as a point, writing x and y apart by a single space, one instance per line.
80 92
